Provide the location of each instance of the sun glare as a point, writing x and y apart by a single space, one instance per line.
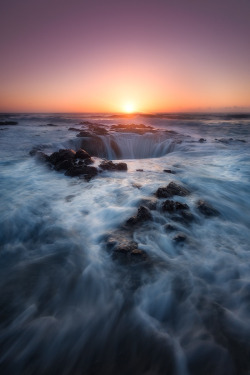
128 107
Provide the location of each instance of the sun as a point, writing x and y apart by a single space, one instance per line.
128 107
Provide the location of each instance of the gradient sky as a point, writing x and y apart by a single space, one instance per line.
100 55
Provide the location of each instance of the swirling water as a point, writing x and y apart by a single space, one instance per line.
66 307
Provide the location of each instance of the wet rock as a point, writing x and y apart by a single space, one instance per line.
110 166
61 155
51 125
2 123
85 171
168 171
169 227
143 214
83 134
42 156
171 190
139 170
184 217
64 165
73 129
150 203
82 154
133 128
180 237
124 249
202 140
172 206
206 209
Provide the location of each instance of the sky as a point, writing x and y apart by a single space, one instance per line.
124 55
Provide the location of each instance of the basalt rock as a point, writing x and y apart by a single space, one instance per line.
171 190
172 206
168 171
206 209
143 214
124 249
82 154
84 171
61 155
110 166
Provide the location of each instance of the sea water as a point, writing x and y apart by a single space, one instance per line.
66 307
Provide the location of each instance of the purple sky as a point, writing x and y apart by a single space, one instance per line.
95 55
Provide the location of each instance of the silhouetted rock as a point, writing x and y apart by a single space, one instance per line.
143 214
64 165
82 154
168 171
180 237
85 171
61 155
206 209
172 206
171 190
2 123
202 140
110 166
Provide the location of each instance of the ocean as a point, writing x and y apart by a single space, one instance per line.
109 275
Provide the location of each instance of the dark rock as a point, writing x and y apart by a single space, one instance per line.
202 140
51 125
64 165
124 249
82 154
169 227
85 171
139 170
74 129
84 134
172 206
110 166
8 123
171 190
184 217
143 214
168 171
42 156
61 155
133 128
206 209
150 203
180 237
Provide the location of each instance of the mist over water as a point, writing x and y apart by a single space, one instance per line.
67 307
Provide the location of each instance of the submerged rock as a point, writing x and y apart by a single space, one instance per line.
180 237
184 217
110 166
143 214
2 123
171 190
168 171
206 209
172 206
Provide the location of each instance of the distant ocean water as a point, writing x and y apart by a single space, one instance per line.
67 306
